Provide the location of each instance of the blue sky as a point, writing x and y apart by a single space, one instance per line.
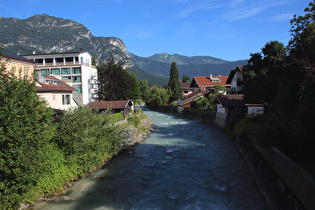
226 29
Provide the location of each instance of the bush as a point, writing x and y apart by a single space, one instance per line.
87 138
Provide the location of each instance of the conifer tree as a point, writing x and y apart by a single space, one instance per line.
174 83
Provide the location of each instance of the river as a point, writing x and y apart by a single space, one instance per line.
182 164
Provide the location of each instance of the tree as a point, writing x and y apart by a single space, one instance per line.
26 131
185 78
261 74
302 44
145 90
174 83
115 83
158 97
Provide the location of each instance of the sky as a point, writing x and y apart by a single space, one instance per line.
225 29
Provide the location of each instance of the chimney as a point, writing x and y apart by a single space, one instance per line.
210 77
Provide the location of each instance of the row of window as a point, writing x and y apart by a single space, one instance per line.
58 71
58 60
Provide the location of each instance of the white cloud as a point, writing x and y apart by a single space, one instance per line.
188 11
282 17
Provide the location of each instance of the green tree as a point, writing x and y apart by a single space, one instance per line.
302 43
26 132
158 97
174 83
185 78
145 90
115 83
261 74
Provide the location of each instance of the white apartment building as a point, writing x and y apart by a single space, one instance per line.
74 68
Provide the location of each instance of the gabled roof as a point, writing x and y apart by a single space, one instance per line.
51 83
204 81
11 55
109 104
185 85
193 96
235 100
232 73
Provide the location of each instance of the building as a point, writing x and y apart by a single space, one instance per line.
74 68
230 104
235 79
19 65
124 106
186 88
57 93
193 96
208 82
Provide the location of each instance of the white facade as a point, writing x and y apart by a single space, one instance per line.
236 83
74 68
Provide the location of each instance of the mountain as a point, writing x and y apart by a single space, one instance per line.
45 34
160 65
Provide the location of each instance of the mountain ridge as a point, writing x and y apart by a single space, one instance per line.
43 33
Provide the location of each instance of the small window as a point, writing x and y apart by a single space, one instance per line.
59 60
69 59
65 71
45 72
54 97
55 71
76 79
39 60
77 70
65 99
48 60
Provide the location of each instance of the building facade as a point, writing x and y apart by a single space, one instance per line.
57 94
17 64
74 68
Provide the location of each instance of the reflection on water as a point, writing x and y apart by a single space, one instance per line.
183 164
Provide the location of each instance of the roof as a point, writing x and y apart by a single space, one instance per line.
11 55
193 96
235 100
60 53
232 73
185 85
109 104
51 83
205 81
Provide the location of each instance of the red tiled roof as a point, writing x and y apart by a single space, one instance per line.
108 104
205 81
235 100
53 84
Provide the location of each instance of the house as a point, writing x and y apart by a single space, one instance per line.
19 65
57 93
186 88
124 106
208 82
230 104
74 68
235 79
193 96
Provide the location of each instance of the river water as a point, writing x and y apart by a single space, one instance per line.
183 164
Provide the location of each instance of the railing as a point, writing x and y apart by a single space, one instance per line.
71 63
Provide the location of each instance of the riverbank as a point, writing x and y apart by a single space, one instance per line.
283 183
132 134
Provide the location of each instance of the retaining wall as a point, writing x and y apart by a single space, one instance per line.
283 184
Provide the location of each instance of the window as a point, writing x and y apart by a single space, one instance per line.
49 60
69 59
76 79
39 60
65 71
59 60
77 70
79 88
55 71
76 59
66 79
54 97
45 72
81 59
65 99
